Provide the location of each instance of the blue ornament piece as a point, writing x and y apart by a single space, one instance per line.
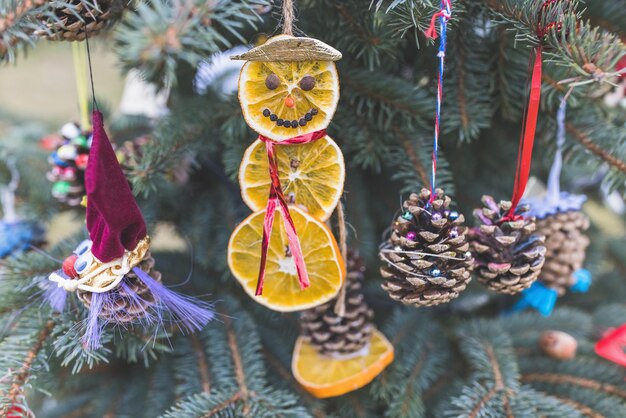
56 160
454 215
582 281
16 237
407 215
435 272
538 297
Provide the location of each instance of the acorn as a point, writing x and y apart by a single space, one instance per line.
558 345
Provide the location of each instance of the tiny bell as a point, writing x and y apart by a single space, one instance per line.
454 215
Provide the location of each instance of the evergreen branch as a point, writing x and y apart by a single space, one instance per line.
17 25
583 409
203 366
20 378
243 393
410 153
595 149
561 378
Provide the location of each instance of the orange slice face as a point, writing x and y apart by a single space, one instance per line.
281 291
302 93
311 175
325 377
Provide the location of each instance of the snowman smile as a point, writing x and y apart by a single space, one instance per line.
308 116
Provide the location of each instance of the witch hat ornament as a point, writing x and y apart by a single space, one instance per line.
112 272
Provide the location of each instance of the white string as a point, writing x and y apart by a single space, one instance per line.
119 267
7 192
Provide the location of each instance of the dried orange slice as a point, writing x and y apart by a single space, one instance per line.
282 291
325 377
303 93
311 175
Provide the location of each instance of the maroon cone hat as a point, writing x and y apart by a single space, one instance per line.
114 220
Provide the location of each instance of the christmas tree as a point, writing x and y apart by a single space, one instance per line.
520 339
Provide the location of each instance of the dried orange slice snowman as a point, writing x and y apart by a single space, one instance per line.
288 90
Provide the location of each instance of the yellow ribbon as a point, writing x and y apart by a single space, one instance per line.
79 55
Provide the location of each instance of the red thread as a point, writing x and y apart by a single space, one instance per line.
277 198
527 139
431 32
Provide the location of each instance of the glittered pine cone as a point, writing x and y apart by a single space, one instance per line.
566 245
427 261
509 254
78 20
341 335
131 302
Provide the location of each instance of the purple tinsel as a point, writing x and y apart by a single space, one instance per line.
93 326
55 295
192 314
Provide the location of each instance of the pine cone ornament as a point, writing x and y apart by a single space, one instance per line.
564 225
341 335
130 153
69 161
427 258
131 299
509 254
79 20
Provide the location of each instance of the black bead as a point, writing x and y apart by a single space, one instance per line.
302 122
307 83
272 81
308 116
314 111
279 122
294 123
273 117
266 112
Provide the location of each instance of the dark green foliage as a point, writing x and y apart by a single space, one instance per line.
467 359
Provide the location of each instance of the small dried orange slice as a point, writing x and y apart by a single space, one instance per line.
325 377
281 291
311 175
302 93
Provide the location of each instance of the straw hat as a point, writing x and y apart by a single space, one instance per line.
290 48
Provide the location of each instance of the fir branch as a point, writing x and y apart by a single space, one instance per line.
595 149
203 366
583 409
561 378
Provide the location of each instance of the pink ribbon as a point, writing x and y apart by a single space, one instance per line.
278 198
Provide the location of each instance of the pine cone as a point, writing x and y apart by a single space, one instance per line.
565 244
128 307
427 257
509 254
335 335
67 26
131 152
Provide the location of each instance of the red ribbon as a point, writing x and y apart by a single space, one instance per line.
527 139
612 345
278 198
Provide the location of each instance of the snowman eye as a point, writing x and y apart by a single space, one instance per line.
83 263
307 83
83 247
272 81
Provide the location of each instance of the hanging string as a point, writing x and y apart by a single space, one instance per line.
7 192
79 57
288 17
340 305
93 91
554 179
444 15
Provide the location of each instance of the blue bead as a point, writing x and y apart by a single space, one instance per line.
454 215
407 215
435 272
582 282
538 297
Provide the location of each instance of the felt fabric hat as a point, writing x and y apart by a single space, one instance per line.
114 221
290 48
